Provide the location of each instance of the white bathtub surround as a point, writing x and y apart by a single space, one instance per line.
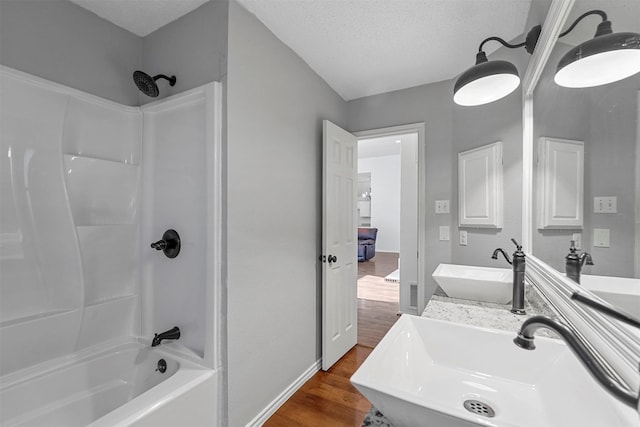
70 210
80 207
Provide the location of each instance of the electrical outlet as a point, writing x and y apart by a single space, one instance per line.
463 238
444 232
601 238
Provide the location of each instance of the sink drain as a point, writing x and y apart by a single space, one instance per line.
479 408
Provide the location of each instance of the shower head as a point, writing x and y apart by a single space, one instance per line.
147 84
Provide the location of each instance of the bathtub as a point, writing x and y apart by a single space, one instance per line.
115 385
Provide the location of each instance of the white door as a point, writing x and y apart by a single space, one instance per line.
339 240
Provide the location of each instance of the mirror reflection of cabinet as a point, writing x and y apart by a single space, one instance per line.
364 199
560 183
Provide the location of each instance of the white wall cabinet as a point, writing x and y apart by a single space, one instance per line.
560 183
480 187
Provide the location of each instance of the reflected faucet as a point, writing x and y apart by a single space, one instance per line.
574 262
525 338
501 251
171 334
518 263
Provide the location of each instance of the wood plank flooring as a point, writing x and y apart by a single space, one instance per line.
328 399
378 300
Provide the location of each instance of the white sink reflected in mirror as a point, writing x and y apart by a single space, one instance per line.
424 370
622 292
469 282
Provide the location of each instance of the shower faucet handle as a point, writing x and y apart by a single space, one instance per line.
160 245
170 244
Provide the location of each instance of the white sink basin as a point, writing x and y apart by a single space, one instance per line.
486 284
424 370
620 291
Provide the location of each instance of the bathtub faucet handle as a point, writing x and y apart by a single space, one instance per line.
171 334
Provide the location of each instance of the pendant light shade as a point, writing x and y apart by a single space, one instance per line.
601 60
488 81
606 58
485 82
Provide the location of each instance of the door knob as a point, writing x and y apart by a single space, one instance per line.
332 258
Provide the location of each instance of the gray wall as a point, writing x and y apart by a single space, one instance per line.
605 119
276 104
193 48
64 43
477 126
449 130
433 105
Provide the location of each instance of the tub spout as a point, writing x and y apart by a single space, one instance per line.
171 334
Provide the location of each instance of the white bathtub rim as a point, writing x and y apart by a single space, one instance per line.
151 400
187 358
189 375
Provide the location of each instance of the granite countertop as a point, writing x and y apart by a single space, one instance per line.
489 315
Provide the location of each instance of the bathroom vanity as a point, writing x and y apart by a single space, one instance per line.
487 314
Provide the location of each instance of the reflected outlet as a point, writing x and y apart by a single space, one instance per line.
463 238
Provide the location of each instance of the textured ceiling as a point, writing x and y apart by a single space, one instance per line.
141 17
366 47
359 47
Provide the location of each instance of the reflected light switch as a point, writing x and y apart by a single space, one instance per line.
601 237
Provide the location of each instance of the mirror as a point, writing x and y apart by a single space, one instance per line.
605 119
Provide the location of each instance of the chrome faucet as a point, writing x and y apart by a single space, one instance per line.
171 334
525 338
518 263
574 262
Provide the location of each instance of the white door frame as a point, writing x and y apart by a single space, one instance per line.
418 128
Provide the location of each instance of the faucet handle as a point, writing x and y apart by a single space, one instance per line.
518 245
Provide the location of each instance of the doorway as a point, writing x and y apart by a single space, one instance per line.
388 211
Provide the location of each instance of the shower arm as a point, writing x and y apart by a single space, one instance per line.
172 79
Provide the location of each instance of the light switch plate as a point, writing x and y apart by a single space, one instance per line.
463 238
607 204
444 232
601 237
442 206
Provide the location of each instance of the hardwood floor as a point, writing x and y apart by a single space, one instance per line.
378 300
328 399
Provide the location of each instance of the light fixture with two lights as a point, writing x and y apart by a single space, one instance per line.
606 58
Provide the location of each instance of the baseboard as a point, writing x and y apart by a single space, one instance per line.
271 408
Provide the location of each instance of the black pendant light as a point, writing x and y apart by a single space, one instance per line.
606 58
488 81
